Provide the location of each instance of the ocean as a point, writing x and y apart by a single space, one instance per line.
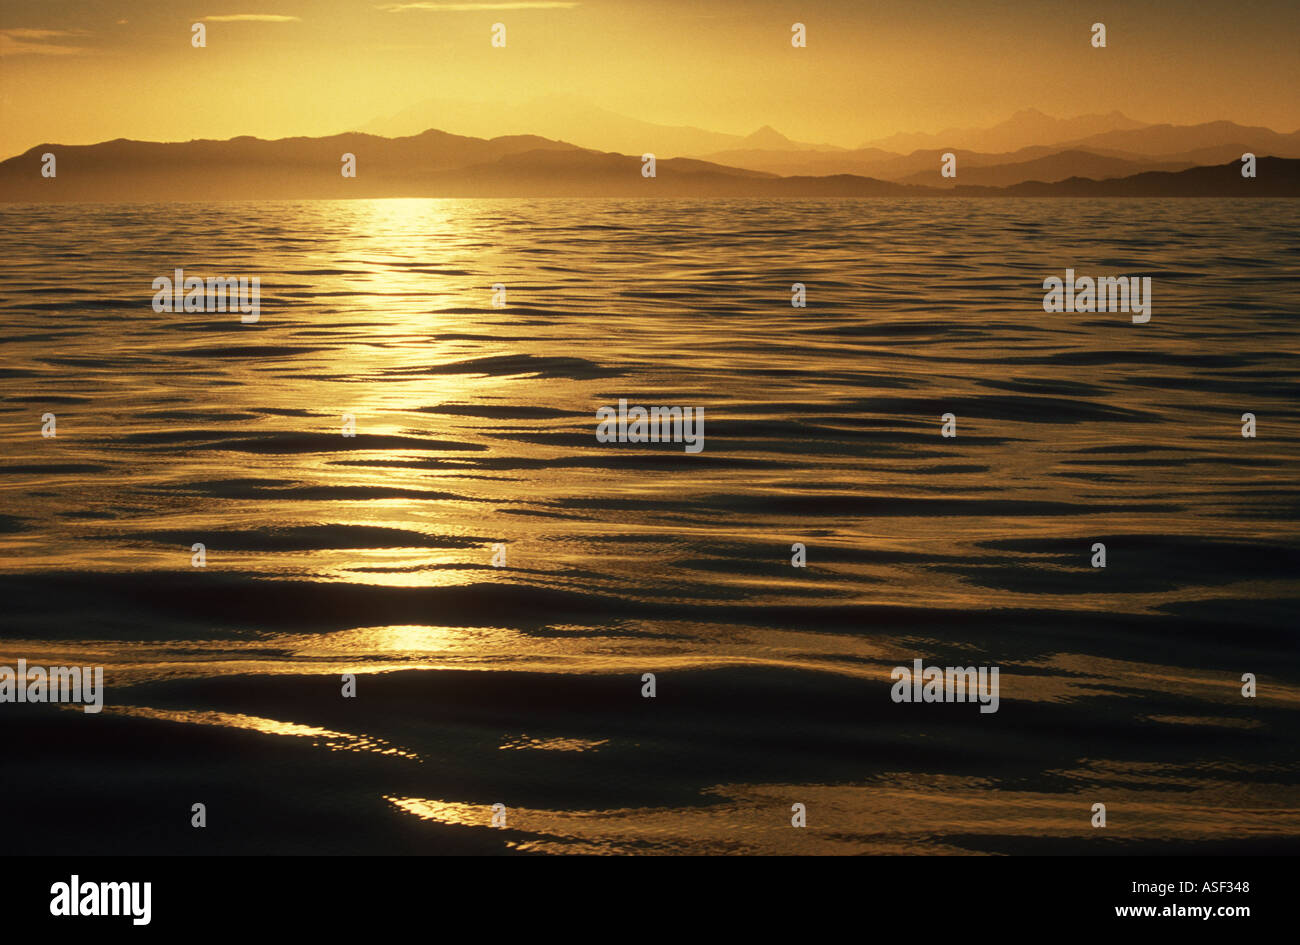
502 588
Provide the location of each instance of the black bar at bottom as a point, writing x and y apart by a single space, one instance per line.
873 893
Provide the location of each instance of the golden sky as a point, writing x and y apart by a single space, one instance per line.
80 71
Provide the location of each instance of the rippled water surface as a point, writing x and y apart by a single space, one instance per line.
476 425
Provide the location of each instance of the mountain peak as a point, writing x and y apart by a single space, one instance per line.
768 137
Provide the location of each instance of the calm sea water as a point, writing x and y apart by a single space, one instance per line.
521 684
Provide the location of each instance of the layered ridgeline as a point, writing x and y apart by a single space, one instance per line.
431 164
437 164
1000 159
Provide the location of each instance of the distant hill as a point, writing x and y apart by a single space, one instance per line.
436 164
1277 177
572 118
1170 139
430 164
872 162
1023 129
1052 167
1031 134
1150 148
250 168
922 167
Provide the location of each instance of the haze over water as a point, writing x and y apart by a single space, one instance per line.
475 425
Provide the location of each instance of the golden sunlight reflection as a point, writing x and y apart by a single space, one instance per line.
1058 678
893 815
393 476
528 743
335 741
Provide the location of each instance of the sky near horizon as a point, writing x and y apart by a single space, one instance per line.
82 71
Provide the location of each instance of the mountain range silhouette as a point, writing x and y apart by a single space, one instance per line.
1126 158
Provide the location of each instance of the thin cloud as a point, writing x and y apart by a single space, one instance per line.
476 7
29 42
252 18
